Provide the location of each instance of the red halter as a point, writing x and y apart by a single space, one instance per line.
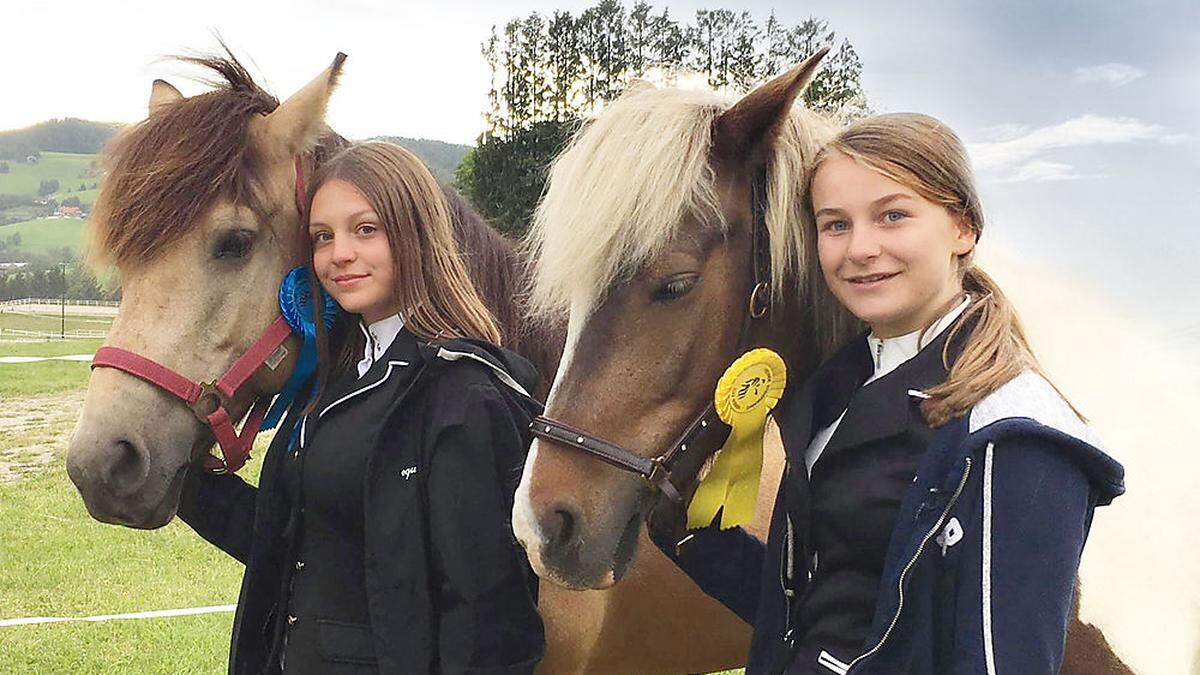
207 400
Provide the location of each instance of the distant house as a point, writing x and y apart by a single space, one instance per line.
12 265
69 212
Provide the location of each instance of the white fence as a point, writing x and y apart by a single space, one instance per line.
46 335
58 301
99 309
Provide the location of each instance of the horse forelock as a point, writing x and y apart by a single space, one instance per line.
620 190
165 172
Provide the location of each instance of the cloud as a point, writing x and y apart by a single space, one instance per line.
1041 171
1112 74
1012 145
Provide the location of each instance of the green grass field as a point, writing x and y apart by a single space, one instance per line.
15 318
59 562
69 169
22 380
44 235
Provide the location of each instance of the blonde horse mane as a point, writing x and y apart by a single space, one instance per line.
619 191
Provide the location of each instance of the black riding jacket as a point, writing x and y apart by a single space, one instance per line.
447 587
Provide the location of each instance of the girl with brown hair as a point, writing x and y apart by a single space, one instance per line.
379 539
939 489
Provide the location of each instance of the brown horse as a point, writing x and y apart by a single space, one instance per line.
198 215
645 237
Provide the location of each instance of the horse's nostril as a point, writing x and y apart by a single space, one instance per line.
566 530
559 530
128 468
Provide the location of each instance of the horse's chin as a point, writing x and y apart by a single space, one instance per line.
144 516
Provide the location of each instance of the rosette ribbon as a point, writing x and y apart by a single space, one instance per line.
746 393
295 302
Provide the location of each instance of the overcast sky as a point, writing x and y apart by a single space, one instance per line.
1083 119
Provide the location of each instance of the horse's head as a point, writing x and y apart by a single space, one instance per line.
645 237
198 215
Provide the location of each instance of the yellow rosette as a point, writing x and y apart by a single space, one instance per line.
748 390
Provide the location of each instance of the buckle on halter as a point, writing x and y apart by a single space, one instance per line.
658 473
760 300
210 395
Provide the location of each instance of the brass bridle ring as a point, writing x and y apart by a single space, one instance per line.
760 300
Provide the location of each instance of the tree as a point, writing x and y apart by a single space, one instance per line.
503 177
550 74
4 167
48 187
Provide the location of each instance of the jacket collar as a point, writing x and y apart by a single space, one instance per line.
377 338
883 408
398 360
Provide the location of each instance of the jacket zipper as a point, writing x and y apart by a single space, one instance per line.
908 566
786 571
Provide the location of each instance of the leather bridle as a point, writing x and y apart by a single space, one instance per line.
706 433
208 401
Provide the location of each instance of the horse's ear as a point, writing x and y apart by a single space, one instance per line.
162 93
637 85
743 132
298 122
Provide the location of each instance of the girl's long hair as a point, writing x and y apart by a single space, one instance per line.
433 286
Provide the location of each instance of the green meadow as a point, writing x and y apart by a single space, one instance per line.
69 169
13 318
19 381
46 235
58 562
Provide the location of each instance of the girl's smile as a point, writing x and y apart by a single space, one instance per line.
351 254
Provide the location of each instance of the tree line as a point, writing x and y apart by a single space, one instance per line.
551 73
48 279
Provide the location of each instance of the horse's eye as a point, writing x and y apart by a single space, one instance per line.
675 287
233 245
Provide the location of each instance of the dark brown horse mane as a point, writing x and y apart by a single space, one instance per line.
164 172
501 276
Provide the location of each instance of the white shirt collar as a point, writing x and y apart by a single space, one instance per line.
379 336
888 353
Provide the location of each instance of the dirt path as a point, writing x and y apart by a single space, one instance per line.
34 430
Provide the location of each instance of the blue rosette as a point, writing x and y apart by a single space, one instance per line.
296 304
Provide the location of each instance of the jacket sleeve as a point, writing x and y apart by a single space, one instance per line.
221 510
726 564
1024 537
485 592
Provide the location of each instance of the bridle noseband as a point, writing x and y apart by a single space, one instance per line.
208 401
705 434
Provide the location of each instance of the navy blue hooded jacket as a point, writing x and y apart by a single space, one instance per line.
980 568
